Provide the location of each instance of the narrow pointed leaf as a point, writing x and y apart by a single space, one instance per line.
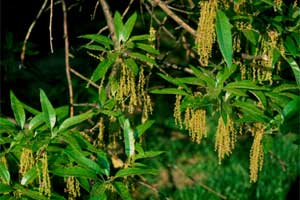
134 171
5 189
224 37
148 48
94 47
29 176
139 37
74 171
102 68
122 190
140 129
128 139
48 110
18 110
98 191
119 27
36 121
132 65
128 27
74 120
147 154
100 39
169 91
143 58
4 174
295 68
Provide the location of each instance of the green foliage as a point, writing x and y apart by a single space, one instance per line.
249 87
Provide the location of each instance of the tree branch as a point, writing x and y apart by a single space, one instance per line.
169 12
67 63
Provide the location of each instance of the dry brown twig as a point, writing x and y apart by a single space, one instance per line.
67 63
177 19
30 30
84 78
50 26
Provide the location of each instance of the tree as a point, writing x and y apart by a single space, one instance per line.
231 67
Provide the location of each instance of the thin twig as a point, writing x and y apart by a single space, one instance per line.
95 10
169 12
127 9
50 26
30 30
201 184
110 22
159 23
68 73
84 78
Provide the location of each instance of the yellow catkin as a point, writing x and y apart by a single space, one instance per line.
143 98
72 188
195 122
256 152
205 36
99 141
264 73
238 5
277 5
44 178
226 137
3 161
26 161
177 112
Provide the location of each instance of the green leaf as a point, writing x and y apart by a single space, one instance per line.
98 191
119 27
203 77
74 171
5 188
18 110
98 38
249 109
4 174
78 157
122 190
132 65
286 86
192 81
146 47
48 110
75 120
295 68
102 67
6 123
93 47
290 46
29 176
251 35
32 194
143 58
244 84
140 129
260 96
169 91
36 121
128 139
292 108
128 27
139 37
135 171
148 154
224 37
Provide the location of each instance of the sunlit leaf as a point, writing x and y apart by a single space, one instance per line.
74 120
48 110
295 68
146 47
4 173
119 27
128 139
18 110
128 26
98 191
143 58
29 176
135 171
36 121
147 154
224 37
292 108
102 67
